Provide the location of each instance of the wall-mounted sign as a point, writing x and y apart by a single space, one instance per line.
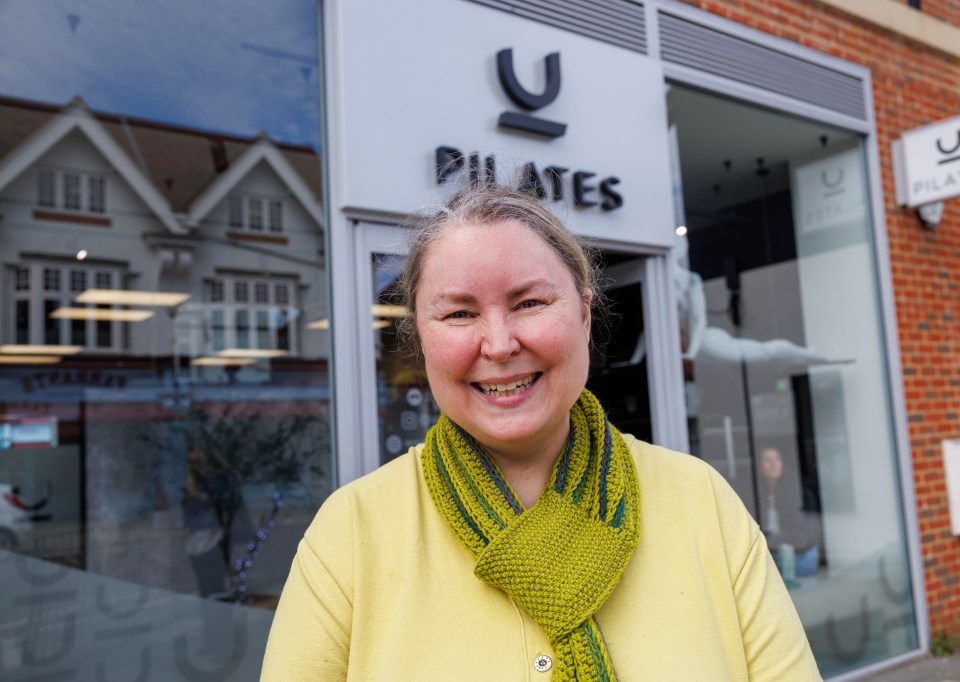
553 182
926 163
829 192
469 94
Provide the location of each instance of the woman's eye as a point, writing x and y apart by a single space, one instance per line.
531 303
458 315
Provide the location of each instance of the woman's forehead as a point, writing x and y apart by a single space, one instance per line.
474 238
508 247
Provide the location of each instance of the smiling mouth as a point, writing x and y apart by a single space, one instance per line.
509 388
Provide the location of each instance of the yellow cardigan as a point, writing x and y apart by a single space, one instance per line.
381 589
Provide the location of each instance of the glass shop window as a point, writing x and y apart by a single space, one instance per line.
165 432
784 362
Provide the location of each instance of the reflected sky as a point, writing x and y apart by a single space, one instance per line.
232 66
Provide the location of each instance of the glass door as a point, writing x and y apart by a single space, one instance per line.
405 405
396 393
618 360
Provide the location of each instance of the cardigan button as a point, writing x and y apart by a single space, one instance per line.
543 663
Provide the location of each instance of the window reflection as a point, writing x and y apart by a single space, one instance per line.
405 405
164 414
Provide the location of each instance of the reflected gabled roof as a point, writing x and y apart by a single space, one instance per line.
78 118
179 163
262 151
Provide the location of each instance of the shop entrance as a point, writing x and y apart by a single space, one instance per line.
397 395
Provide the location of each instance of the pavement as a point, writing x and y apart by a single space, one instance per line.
930 669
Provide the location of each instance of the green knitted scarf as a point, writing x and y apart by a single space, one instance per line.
560 559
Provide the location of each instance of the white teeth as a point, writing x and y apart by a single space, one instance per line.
507 389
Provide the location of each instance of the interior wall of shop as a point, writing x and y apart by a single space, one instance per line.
913 84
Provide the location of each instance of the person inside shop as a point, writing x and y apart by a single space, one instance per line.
527 535
789 522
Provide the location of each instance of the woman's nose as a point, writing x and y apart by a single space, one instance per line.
499 341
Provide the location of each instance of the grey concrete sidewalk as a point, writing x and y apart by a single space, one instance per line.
928 669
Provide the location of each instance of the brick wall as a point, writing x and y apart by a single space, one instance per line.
945 10
912 85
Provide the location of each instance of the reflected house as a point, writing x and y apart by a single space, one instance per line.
153 276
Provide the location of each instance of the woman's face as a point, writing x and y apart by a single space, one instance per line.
505 336
771 463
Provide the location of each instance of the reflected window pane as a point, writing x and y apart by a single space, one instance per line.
78 332
21 279
104 329
255 214
243 328
22 321
283 331
46 188
263 329
97 195
71 191
51 326
236 212
216 291
78 280
276 216
218 329
51 279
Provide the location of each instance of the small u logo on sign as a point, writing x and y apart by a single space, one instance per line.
953 149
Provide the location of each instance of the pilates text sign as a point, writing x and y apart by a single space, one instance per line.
927 163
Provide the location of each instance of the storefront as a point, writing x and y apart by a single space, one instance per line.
200 235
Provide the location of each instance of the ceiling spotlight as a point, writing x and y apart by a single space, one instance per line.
681 230
81 254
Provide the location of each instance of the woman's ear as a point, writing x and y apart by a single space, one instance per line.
587 300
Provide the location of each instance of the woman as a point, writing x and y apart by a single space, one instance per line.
792 529
527 536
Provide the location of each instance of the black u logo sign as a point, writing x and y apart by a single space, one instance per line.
530 101
519 94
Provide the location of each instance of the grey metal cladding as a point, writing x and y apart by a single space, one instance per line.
618 22
691 44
